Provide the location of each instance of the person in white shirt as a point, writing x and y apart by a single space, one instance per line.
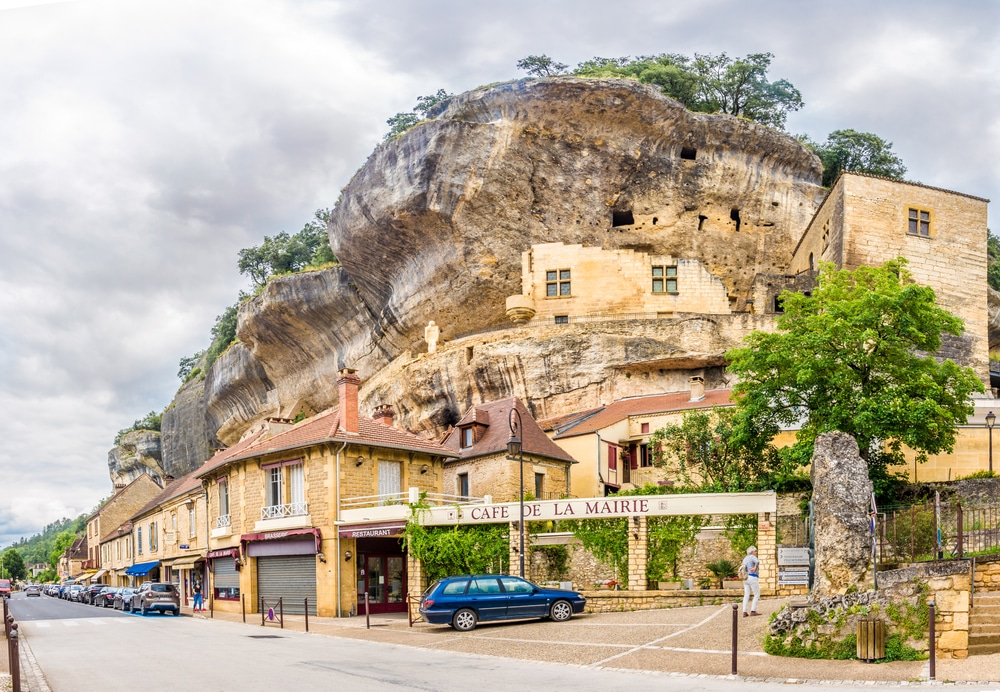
751 585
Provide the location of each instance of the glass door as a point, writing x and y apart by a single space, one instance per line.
384 580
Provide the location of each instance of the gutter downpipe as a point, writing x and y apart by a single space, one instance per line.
337 525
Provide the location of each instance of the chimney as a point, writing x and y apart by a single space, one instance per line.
348 400
384 414
697 388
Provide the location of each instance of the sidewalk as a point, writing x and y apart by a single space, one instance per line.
685 641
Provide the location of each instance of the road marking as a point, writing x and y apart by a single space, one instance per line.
70 623
650 645
42 625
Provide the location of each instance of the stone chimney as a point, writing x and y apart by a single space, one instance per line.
697 386
348 396
384 414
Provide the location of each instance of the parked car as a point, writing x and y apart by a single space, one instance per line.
32 590
74 592
106 599
463 601
5 588
123 599
157 597
90 593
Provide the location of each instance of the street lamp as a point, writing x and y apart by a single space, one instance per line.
514 449
990 420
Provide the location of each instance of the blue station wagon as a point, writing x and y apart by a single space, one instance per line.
465 600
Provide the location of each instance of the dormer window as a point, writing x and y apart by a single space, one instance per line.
466 436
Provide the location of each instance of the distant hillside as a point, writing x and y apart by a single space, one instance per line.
38 547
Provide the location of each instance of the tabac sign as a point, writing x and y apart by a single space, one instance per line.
603 508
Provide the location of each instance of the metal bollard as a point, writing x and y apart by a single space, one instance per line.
15 658
307 613
932 648
243 607
736 629
281 611
368 621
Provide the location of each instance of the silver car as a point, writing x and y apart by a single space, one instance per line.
33 590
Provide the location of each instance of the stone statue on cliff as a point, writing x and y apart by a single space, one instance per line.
431 334
841 499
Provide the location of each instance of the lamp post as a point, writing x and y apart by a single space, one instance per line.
990 420
514 449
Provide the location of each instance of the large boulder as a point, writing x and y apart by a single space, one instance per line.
841 500
137 452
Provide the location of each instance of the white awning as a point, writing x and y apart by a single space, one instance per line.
100 573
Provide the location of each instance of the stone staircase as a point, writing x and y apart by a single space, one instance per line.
984 624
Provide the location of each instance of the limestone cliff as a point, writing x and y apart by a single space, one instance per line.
434 226
137 452
185 437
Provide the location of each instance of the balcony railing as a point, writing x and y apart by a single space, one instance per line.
223 522
404 499
292 509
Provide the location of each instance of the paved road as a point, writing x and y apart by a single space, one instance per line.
84 648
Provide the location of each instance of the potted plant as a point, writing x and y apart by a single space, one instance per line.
721 569
705 583
669 583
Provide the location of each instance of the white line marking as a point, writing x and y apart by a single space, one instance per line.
42 625
723 609
70 623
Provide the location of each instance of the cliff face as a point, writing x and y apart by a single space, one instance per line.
185 438
434 225
137 453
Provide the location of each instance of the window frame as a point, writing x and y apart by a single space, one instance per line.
558 283
467 437
918 218
664 279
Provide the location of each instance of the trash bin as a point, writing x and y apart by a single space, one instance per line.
871 639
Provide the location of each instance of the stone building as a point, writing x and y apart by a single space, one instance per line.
125 502
483 467
275 499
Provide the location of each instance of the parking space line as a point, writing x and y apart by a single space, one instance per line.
649 645
42 625
70 623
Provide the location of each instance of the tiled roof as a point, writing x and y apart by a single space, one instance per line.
637 406
180 486
557 422
493 439
118 531
325 427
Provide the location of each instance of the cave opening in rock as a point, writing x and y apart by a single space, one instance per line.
701 222
689 153
622 218
735 216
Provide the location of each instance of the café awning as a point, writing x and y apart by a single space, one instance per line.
142 569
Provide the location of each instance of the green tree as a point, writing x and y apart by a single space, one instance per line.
541 66
187 365
992 261
401 122
12 565
151 421
856 356
860 152
285 254
705 453
739 86
63 541
223 333
670 72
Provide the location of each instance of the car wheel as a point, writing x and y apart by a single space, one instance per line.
561 611
465 620
145 610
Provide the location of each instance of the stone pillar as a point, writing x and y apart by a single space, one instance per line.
414 581
638 553
767 553
515 545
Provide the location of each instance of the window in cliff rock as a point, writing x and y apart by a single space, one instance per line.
622 218
557 283
664 279
919 222
735 216
778 304
655 220
562 319
689 153
701 222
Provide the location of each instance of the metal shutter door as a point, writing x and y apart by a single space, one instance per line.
226 576
290 577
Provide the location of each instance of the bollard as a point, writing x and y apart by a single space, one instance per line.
736 628
368 621
307 614
243 608
15 658
933 644
211 609
281 611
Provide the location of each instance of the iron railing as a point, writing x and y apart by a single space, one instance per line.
292 509
920 533
403 498
222 522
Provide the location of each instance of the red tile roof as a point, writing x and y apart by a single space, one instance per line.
637 406
178 487
118 531
321 428
497 431
556 422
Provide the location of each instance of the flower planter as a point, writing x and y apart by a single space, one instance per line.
735 585
668 585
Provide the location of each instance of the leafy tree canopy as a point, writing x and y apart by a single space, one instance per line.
861 152
853 357
151 421
285 254
401 122
12 565
993 261
541 66
63 541
709 83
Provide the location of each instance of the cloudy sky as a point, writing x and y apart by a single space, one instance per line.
143 143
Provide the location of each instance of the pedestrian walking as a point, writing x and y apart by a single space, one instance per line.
197 597
749 570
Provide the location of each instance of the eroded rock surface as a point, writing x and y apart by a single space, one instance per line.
841 505
138 452
185 438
